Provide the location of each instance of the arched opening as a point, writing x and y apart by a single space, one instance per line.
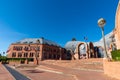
78 53
97 53
69 54
91 50
100 52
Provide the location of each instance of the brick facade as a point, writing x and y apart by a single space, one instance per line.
40 51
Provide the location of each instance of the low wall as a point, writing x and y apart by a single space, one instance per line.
112 69
14 62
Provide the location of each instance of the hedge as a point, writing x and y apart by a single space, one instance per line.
3 58
116 55
18 59
14 59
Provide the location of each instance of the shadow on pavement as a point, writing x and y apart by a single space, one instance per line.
34 71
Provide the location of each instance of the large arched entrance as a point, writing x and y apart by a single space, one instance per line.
77 53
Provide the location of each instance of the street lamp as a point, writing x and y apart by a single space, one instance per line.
101 24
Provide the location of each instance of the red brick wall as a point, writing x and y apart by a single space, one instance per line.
112 69
11 50
45 50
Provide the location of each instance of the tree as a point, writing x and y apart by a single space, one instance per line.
3 53
36 52
74 39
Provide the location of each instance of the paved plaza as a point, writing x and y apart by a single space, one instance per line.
50 70
4 74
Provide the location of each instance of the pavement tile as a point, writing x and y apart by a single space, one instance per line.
4 73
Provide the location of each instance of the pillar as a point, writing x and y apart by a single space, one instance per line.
26 61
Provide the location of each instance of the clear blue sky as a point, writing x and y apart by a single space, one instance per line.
56 20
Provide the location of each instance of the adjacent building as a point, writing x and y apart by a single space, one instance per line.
117 26
36 47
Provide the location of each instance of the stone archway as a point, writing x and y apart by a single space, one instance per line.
77 53
91 51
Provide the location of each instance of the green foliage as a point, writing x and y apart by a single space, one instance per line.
116 55
3 58
18 59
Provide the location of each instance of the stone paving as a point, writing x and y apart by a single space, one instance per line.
93 64
80 74
35 74
48 71
4 74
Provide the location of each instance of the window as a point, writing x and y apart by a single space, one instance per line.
26 48
31 54
14 54
31 42
54 50
25 42
19 54
25 54
17 48
37 48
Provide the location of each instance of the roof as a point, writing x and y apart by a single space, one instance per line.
108 39
71 45
34 40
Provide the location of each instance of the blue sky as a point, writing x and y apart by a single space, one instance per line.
56 20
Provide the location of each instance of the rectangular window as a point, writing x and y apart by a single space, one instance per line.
20 55
25 54
14 54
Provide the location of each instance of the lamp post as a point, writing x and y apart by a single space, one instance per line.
101 24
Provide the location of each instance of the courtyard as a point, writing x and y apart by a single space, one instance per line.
91 69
